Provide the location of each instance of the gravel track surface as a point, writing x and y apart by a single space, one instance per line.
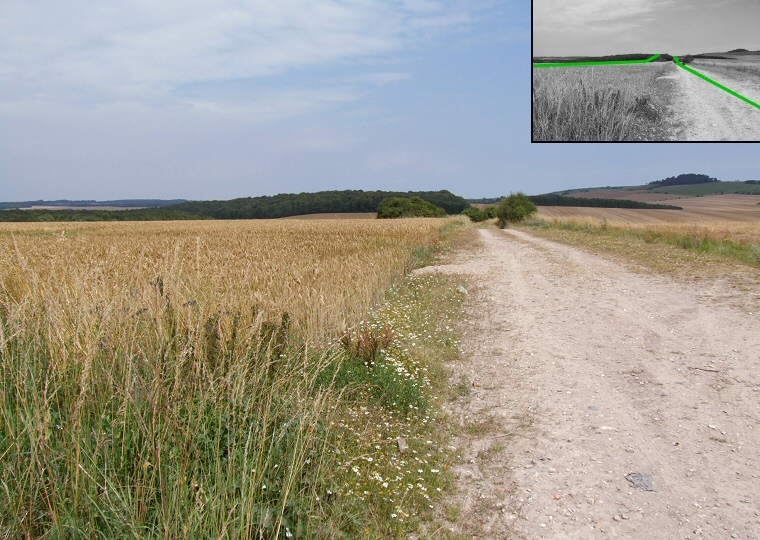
582 372
704 112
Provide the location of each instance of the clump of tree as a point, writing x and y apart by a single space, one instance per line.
683 179
515 208
400 207
687 59
477 214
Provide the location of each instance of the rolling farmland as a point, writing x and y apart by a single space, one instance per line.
730 208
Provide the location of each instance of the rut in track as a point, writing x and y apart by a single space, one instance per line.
582 372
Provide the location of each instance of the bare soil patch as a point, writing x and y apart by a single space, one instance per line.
598 402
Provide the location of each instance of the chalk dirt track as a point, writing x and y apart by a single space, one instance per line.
707 113
582 371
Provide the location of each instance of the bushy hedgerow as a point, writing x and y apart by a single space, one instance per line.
398 207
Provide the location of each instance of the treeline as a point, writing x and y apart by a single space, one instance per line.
607 58
144 214
683 179
561 200
266 207
323 202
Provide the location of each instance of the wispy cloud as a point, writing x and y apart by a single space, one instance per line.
613 15
84 52
274 105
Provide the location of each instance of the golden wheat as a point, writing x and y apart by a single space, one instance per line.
159 379
324 274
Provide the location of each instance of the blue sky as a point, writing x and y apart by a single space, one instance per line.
223 99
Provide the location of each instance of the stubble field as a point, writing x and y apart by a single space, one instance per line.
711 208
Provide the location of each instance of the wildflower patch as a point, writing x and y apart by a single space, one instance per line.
409 336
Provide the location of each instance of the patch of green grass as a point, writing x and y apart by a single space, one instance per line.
462 388
396 391
481 428
491 452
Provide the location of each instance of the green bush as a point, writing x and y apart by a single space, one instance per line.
477 215
515 208
398 207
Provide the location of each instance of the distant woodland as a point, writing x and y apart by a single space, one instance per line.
266 207
682 180
323 202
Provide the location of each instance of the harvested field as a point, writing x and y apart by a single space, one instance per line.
631 195
742 208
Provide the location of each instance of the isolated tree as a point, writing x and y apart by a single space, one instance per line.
514 209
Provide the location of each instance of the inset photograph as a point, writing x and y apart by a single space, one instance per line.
645 71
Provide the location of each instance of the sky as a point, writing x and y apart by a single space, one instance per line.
236 98
599 27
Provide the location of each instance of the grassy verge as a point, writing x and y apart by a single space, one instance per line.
673 247
392 437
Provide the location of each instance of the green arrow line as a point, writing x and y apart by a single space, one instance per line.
600 63
708 79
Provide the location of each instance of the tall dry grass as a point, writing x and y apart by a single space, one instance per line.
730 68
599 103
160 379
739 241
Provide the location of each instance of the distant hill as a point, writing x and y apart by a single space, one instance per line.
120 203
682 180
684 185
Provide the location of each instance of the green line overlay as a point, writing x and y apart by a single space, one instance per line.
600 63
708 79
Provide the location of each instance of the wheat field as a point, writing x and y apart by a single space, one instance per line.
169 379
599 103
